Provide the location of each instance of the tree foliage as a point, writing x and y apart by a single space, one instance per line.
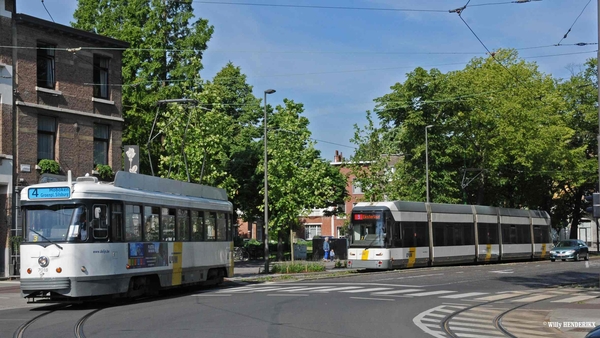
503 133
163 61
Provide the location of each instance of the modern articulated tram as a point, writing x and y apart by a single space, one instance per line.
130 237
399 234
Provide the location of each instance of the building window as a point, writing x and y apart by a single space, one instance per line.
101 138
312 230
46 136
100 77
356 187
45 66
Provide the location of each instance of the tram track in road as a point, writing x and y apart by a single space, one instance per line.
496 327
77 328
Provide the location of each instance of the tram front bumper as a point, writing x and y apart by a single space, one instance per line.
370 264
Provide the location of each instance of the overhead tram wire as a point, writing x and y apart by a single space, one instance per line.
574 22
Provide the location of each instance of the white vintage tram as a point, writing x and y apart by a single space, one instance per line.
399 234
133 236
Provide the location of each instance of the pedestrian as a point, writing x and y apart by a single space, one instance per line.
332 255
326 249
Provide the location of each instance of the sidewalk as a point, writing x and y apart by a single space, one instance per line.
255 269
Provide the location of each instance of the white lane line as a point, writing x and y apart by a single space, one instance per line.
338 288
468 335
287 295
431 320
481 331
366 290
212 295
421 316
303 289
573 299
468 321
368 298
501 296
430 293
394 292
532 298
431 314
525 332
454 324
464 295
274 289
467 316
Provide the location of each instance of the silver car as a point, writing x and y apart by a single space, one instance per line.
570 249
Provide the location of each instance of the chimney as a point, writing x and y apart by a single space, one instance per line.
337 157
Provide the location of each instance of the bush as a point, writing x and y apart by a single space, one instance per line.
297 267
105 172
49 166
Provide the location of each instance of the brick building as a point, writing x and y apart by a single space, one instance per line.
67 104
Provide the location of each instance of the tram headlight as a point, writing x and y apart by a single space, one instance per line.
29 271
83 269
59 269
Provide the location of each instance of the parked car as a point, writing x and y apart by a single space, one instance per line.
595 333
570 249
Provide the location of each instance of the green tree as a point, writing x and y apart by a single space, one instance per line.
163 61
496 125
298 179
579 176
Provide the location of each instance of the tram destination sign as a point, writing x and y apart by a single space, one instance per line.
45 193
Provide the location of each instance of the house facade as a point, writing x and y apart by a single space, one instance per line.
60 93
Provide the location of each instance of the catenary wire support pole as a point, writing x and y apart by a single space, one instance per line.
598 154
268 91
427 161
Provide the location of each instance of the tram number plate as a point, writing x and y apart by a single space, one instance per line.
42 270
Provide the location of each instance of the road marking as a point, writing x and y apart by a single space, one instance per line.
468 329
338 288
503 271
287 295
394 292
211 295
366 290
501 296
430 293
533 298
464 295
368 298
316 289
573 299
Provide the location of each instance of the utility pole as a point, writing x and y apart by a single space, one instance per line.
598 154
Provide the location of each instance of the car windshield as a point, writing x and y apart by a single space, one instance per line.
565 244
50 223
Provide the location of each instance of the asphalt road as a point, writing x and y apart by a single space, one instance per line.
524 299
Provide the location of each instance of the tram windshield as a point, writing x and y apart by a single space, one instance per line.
55 223
368 229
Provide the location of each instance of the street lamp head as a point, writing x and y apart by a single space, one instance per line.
269 91
429 126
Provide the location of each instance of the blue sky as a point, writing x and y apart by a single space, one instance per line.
336 61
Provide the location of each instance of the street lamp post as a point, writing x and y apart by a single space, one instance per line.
427 162
268 91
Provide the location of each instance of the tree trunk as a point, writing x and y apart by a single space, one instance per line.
576 214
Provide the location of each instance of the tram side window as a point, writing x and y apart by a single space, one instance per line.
116 223
221 227
133 216
100 222
183 225
545 234
414 234
152 224
197 225
488 233
524 233
210 218
448 234
396 235
168 225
